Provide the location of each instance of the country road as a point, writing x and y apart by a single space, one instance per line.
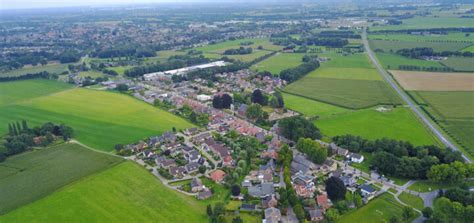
407 99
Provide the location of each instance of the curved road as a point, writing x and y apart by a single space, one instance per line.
407 99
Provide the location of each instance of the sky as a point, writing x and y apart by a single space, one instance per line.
26 4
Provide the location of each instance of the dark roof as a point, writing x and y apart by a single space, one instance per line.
248 207
367 188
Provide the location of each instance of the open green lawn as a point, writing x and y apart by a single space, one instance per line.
125 193
51 68
451 36
312 108
412 200
92 74
393 61
120 70
399 123
460 63
16 91
393 46
365 165
379 209
427 186
347 93
246 217
233 44
33 175
279 62
428 22
100 119
449 104
346 73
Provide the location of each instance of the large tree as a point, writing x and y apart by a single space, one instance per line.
296 127
258 97
312 149
335 188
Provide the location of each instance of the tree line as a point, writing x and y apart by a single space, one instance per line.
21 138
239 51
418 52
399 158
42 74
295 73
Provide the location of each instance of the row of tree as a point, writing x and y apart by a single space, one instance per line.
295 73
418 52
240 51
43 75
20 137
399 158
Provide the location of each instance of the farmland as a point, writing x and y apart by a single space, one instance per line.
393 61
346 81
428 22
460 63
451 37
379 209
279 62
221 47
12 92
33 175
393 46
312 108
105 118
51 68
434 81
372 124
125 193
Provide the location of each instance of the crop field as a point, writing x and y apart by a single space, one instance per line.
393 61
460 63
397 123
428 22
451 36
469 49
124 193
346 73
51 68
380 209
346 81
100 119
393 46
162 56
221 47
312 108
15 91
462 131
434 81
279 62
33 175
92 74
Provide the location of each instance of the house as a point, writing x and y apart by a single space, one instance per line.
342 152
272 215
269 201
242 110
193 156
356 158
205 194
248 207
167 137
191 131
329 166
323 201
192 167
164 163
348 180
218 176
262 190
303 191
177 171
316 215
367 191
260 136
337 173
196 185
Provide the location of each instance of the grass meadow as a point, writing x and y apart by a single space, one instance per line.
460 63
428 22
233 44
124 193
379 209
449 37
393 61
51 68
100 119
279 62
393 46
33 175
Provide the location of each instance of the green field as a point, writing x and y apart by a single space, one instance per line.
412 200
120 70
428 22
379 209
399 123
162 56
393 61
460 63
347 93
92 74
33 175
451 37
346 81
279 62
393 46
100 119
453 111
16 91
469 49
125 193
312 108
233 44
51 68
346 73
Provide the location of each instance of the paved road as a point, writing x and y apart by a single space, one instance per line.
407 99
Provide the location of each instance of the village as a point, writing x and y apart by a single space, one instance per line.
193 161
